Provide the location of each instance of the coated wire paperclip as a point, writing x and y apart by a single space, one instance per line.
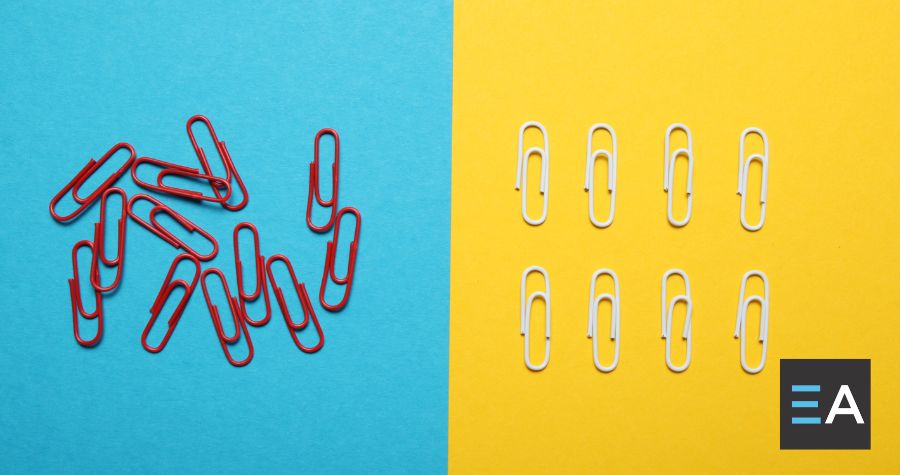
525 316
167 287
183 171
154 227
743 170
330 254
261 288
740 327
75 184
99 248
303 296
240 325
314 182
227 162
522 170
667 319
611 165
78 306
670 171
614 301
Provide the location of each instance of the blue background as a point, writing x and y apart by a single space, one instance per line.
78 79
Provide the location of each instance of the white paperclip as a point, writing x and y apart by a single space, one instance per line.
592 317
592 157
525 316
522 170
667 319
743 168
670 171
740 328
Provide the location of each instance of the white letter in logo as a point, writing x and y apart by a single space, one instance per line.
844 392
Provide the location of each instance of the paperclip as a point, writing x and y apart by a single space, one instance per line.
743 170
330 256
740 327
183 171
83 175
154 227
226 162
260 261
314 182
667 319
525 316
611 166
670 171
167 287
239 323
99 249
303 296
614 301
522 170
77 305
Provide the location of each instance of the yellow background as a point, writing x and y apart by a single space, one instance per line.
821 79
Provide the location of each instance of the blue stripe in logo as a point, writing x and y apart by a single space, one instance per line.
804 403
806 420
805 388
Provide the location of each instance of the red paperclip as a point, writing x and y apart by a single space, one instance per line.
314 182
226 161
308 311
260 276
82 176
239 323
167 287
99 252
154 227
77 306
180 170
330 254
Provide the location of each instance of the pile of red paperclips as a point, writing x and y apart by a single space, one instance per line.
222 189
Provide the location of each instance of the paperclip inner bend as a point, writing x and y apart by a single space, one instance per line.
613 332
239 324
686 335
669 185
308 313
525 317
764 186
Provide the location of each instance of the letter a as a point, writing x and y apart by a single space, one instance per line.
836 408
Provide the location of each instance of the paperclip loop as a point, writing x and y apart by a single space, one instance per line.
314 182
226 162
611 166
740 327
525 316
743 169
260 263
667 319
522 170
614 301
330 256
78 306
670 159
75 184
303 296
167 287
99 248
154 227
240 325
183 171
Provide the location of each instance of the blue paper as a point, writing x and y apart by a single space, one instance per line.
78 78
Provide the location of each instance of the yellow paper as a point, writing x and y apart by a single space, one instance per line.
821 79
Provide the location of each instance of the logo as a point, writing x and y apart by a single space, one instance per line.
825 404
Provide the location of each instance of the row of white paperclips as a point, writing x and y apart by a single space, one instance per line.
668 307
611 157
